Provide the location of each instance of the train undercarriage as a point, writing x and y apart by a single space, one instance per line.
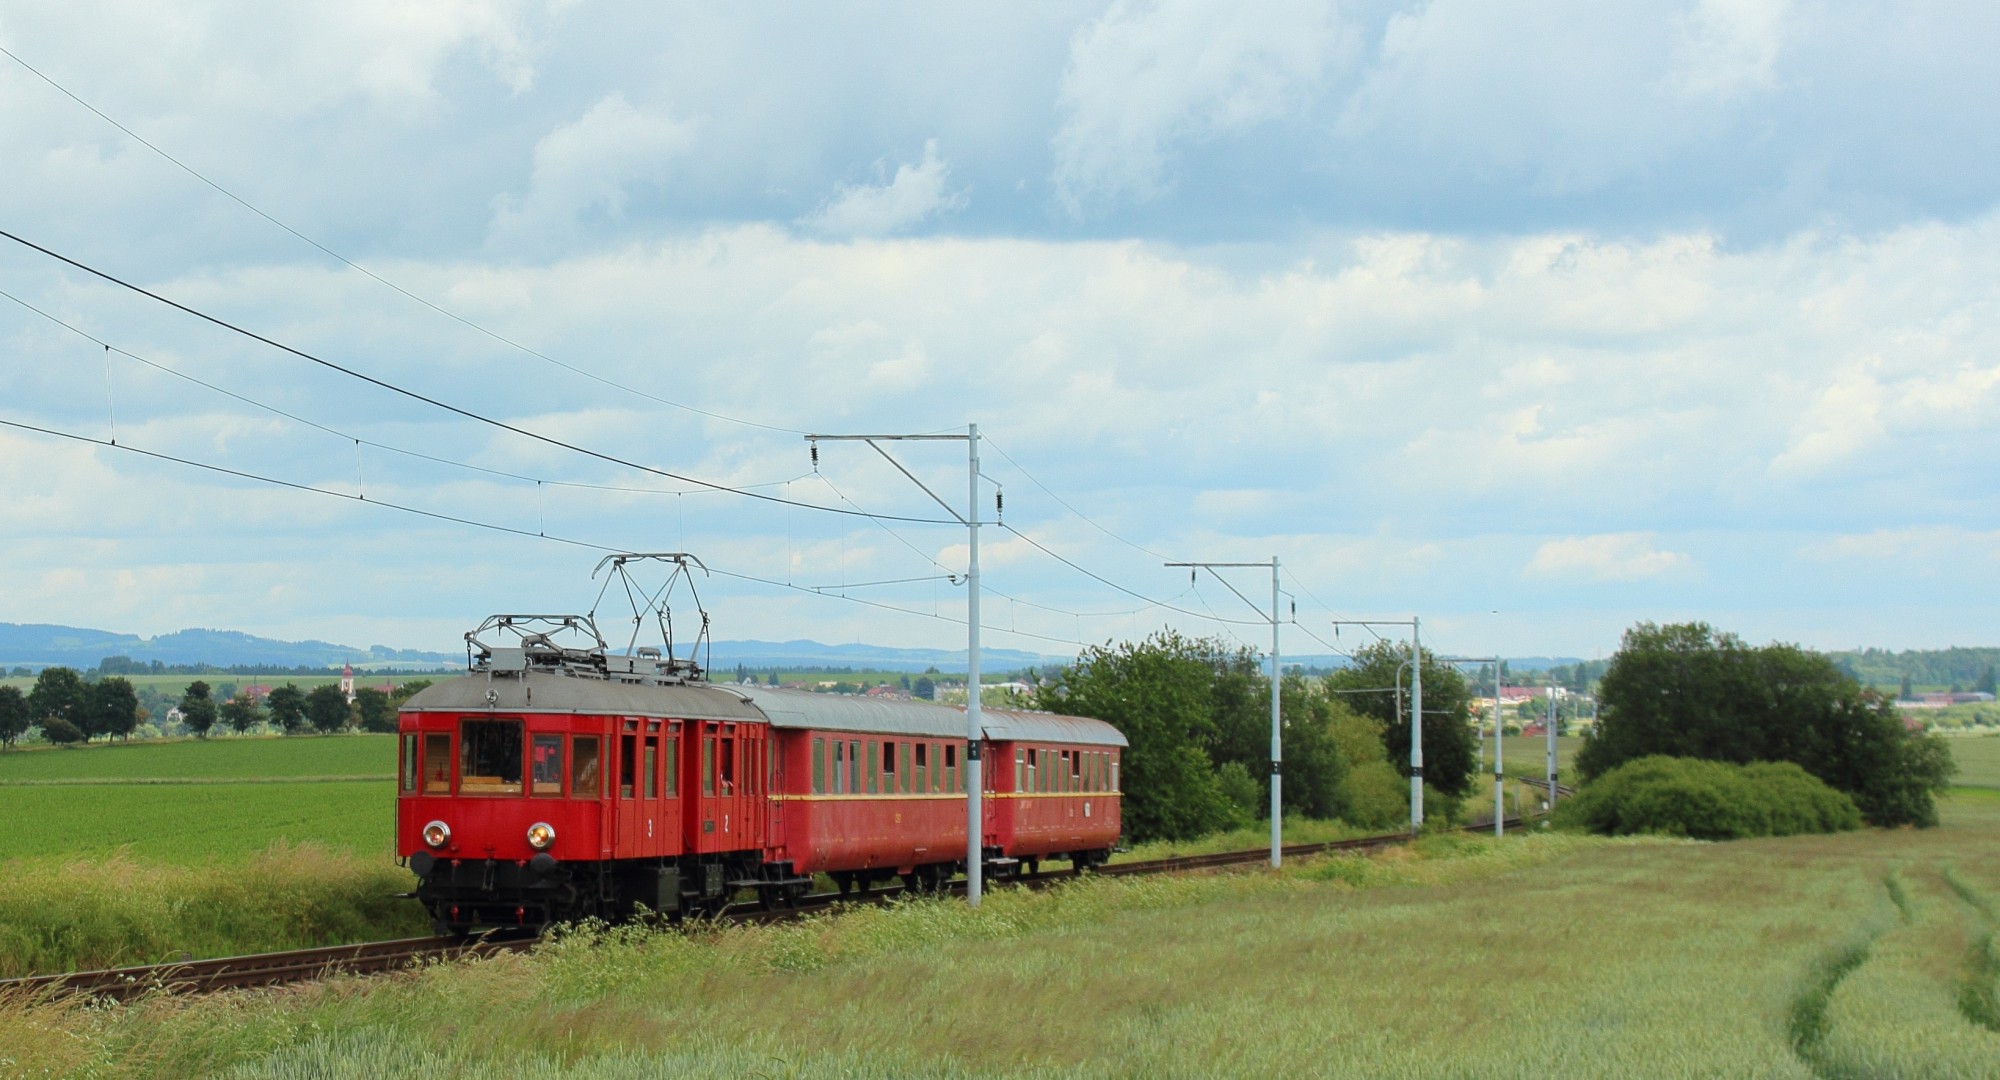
467 895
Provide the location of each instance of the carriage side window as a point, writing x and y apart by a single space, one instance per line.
1076 770
923 767
1031 771
1114 772
409 764
1020 768
673 761
839 766
584 766
951 767
628 753
652 767
726 764
889 767
708 764
545 765
437 763
819 766
907 772
854 767
490 756
874 770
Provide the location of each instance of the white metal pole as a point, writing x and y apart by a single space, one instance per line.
974 732
1416 727
1499 782
1552 748
1277 740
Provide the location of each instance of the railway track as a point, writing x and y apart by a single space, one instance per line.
261 969
300 965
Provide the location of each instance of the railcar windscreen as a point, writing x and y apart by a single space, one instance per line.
489 757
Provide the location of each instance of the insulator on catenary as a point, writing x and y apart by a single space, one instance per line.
815 451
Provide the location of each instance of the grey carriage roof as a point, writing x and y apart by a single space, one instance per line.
544 691
878 716
538 691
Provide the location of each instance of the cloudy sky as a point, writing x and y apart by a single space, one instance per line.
1530 318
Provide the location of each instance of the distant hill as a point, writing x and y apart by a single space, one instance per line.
43 644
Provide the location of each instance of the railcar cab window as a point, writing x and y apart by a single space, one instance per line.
545 765
437 763
489 757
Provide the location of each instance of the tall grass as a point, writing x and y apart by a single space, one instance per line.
76 915
1546 954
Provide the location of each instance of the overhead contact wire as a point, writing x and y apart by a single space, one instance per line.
438 404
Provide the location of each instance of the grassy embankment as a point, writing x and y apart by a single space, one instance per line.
1856 954
122 854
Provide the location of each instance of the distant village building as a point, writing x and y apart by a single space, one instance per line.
1945 700
347 682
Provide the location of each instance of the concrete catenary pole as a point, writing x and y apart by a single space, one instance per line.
1552 749
1499 782
1416 726
1277 738
974 733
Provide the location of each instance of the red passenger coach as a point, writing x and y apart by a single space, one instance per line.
1055 787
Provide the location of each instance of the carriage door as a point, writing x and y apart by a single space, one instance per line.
721 776
673 839
631 830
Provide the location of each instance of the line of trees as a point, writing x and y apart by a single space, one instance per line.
1197 715
67 709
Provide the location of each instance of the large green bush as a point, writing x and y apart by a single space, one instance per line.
1709 800
1689 691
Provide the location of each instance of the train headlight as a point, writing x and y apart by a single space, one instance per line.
540 835
437 834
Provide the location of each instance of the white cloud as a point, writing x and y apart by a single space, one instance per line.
915 193
1147 78
1605 557
1730 45
591 163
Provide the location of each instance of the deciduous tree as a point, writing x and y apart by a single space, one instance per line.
372 708
114 707
242 713
15 718
287 705
327 709
198 709
60 693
